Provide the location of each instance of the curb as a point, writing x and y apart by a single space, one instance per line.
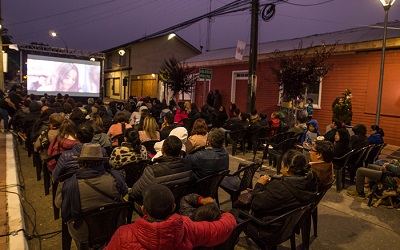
16 224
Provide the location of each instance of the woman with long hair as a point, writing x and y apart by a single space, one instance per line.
198 136
149 131
180 114
66 78
99 136
342 143
64 141
129 151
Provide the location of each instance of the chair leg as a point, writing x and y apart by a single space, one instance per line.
66 238
46 180
234 145
293 242
305 232
315 221
339 178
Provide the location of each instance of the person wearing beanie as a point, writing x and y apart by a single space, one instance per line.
160 228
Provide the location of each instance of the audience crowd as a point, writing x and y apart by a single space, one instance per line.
95 141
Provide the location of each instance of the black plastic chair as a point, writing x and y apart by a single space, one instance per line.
149 145
258 137
375 152
239 181
47 173
132 171
284 232
312 214
237 137
276 153
208 186
367 155
37 163
339 165
273 141
103 222
356 161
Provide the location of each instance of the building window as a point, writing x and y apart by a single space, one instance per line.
314 92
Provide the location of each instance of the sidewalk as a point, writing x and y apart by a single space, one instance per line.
343 222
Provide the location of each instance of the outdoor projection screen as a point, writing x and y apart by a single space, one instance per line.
53 75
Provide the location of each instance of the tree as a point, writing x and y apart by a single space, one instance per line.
300 69
178 77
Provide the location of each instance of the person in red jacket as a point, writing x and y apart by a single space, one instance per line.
160 228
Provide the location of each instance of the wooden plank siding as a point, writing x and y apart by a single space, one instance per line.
358 72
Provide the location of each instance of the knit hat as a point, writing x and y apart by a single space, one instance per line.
158 201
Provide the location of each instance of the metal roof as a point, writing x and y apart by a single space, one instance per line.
349 36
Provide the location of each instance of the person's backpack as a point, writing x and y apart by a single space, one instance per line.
44 139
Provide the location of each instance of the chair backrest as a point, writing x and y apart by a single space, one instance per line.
230 243
378 149
357 156
134 170
367 155
178 190
149 145
247 176
285 145
340 162
287 222
103 222
237 134
208 186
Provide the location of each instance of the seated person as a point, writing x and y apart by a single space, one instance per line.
341 145
374 173
321 154
76 194
359 139
309 136
232 119
129 151
273 197
167 126
330 135
118 128
211 160
198 136
161 229
179 132
149 131
169 169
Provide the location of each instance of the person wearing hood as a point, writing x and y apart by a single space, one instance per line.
135 117
179 132
68 162
309 136
273 197
99 136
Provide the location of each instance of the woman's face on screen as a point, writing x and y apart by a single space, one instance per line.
70 79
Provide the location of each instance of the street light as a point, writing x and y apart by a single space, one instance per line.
386 6
55 34
121 52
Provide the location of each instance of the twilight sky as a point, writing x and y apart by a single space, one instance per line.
96 25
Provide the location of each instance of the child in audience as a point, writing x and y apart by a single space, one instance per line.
309 136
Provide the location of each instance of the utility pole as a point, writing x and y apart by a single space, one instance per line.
252 79
1 54
208 41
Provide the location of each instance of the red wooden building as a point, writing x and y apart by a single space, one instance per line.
356 65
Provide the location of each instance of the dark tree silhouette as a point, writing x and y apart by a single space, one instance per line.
178 76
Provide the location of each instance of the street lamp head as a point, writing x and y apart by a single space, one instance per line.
387 3
53 33
121 52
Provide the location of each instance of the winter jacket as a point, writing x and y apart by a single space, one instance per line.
281 195
310 136
179 116
164 133
375 139
168 171
207 162
358 141
68 162
324 171
177 232
126 154
57 146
